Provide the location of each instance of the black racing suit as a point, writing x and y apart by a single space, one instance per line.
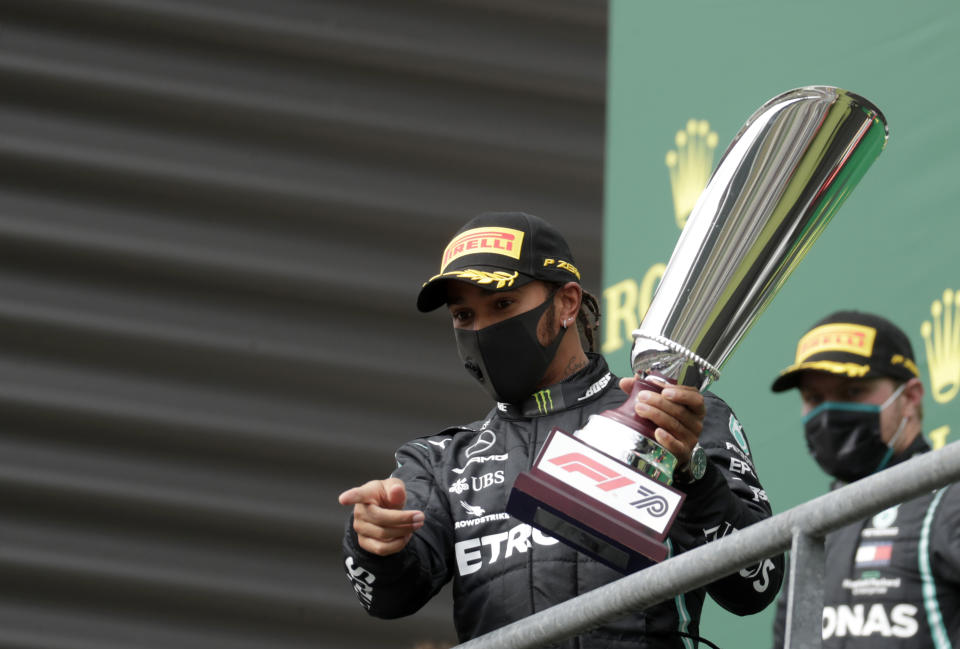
504 570
893 581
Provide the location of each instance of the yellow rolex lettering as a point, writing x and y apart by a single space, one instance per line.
649 286
620 310
625 304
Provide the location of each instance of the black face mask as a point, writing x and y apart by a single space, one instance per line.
845 439
507 358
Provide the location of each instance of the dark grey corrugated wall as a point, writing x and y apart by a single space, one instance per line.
214 218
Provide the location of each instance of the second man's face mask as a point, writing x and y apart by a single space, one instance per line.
845 438
507 358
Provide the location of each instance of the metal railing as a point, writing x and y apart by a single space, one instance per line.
802 528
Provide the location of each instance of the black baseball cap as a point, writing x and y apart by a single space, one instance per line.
500 251
853 344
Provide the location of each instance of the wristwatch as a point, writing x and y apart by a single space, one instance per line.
694 469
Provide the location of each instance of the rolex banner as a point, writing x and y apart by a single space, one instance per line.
683 77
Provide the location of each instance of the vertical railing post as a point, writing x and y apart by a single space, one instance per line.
805 592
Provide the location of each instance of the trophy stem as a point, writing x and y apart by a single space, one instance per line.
628 437
627 415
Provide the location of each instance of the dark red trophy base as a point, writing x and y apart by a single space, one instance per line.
626 413
584 523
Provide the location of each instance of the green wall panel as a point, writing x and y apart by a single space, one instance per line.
683 78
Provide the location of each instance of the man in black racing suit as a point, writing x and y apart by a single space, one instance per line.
441 514
891 581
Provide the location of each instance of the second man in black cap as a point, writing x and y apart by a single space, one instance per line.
893 580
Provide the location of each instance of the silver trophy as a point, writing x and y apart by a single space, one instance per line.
776 187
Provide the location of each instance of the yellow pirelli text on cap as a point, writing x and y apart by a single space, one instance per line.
837 337
565 265
497 241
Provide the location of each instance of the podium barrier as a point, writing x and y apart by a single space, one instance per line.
802 528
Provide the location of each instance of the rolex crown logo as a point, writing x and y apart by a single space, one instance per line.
690 165
942 341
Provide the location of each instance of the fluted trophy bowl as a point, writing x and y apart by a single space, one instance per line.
775 189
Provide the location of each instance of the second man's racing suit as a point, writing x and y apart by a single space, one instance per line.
893 581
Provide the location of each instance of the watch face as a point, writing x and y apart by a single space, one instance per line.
698 463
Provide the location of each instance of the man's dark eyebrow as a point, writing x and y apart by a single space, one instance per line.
486 293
